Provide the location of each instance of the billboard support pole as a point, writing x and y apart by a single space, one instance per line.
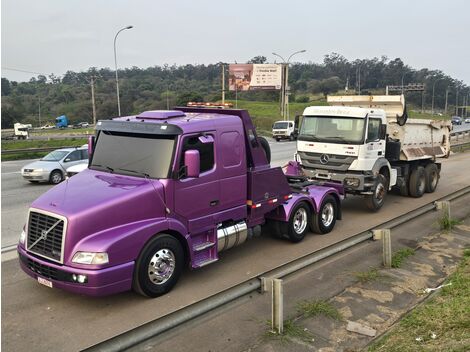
223 84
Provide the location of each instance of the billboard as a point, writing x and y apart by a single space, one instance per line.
243 77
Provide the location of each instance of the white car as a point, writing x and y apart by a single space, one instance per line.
73 170
51 168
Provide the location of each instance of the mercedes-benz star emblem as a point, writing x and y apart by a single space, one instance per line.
324 158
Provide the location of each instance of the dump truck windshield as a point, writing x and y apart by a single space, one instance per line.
332 129
133 154
280 126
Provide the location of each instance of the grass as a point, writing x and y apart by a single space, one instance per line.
413 114
68 131
367 276
292 331
26 144
318 307
399 256
446 223
440 324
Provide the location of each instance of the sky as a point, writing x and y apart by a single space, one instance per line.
54 36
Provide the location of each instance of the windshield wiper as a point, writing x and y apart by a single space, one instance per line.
104 167
135 172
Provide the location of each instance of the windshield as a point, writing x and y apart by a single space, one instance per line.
56 155
133 154
332 129
280 125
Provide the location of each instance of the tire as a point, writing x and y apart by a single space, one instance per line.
278 139
166 251
417 182
56 177
325 219
291 137
298 222
376 200
265 145
431 173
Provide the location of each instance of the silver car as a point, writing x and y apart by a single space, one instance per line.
52 168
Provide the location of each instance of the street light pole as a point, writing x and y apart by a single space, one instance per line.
115 64
285 84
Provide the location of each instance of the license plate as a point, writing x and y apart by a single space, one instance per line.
45 282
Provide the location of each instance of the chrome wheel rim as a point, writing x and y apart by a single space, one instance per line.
300 220
327 214
161 266
56 177
380 193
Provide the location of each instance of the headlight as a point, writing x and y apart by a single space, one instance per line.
352 182
23 237
90 258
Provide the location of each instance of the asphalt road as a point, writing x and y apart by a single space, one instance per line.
18 194
43 319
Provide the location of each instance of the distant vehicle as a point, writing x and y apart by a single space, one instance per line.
467 120
21 130
81 125
456 120
53 166
73 170
46 127
284 130
61 121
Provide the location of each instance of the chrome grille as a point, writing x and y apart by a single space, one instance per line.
335 162
44 238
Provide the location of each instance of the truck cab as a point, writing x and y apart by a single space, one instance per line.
165 189
284 130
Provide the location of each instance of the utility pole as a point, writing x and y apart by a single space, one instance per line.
223 84
92 84
457 102
39 111
447 97
422 101
167 98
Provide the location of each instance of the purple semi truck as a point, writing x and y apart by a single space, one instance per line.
165 189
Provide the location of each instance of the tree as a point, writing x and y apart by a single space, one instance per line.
6 88
258 60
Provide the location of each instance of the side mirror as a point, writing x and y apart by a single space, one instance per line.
296 123
91 143
192 162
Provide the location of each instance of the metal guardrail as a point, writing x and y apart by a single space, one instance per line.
172 320
456 134
35 150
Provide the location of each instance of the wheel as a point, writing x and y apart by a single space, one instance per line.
56 177
375 201
265 145
291 137
278 139
417 182
159 266
324 220
431 173
298 222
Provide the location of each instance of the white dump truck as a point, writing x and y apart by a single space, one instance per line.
368 144
21 130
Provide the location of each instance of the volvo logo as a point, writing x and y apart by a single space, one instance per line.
324 159
43 234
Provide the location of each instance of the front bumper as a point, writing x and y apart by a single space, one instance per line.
364 182
101 282
36 175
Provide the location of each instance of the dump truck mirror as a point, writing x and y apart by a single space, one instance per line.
91 143
192 162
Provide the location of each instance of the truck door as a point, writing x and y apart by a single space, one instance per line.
375 147
198 198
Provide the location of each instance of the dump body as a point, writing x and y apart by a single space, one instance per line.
196 180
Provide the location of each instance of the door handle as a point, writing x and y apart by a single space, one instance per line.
214 203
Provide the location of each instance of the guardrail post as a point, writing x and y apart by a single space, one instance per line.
444 207
385 236
277 316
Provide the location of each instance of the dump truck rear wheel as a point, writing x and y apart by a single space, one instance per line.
417 182
431 173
